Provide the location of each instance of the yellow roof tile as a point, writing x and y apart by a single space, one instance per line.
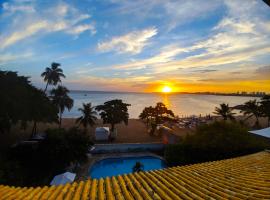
236 178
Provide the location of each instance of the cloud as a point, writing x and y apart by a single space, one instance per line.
180 12
166 55
12 57
205 70
19 35
233 40
173 12
265 70
82 28
132 42
12 8
59 17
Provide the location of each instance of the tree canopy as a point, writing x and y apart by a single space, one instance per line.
265 104
61 99
114 112
22 102
252 108
52 75
89 115
156 115
224 111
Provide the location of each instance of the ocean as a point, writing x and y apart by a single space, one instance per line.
181 104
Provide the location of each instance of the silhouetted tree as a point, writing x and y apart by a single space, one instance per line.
138 167
22 102
147 114
265 104
224 111
61 99
52 75
88 116
252 108
114 112
157 115
41 109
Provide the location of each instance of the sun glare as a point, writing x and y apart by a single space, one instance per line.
166 89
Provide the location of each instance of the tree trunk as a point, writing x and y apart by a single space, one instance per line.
60 119
112 127
34 129
153 128
257 122
46 87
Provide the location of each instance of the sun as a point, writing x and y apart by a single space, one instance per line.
166 89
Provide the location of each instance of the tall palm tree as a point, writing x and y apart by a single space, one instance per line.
252 108
224 111
61 99
52 75
88 116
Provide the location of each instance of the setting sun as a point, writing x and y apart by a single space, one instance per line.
166 89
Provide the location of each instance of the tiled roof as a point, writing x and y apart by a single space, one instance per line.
246 177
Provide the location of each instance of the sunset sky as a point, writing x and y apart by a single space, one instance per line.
140 46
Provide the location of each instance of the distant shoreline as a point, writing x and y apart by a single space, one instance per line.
257 94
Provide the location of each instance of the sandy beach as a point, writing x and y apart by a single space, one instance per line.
134 132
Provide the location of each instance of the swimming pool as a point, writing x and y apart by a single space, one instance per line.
123 165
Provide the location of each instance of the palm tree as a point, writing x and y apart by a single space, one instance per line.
265 105
224 111
88 116
138 167
61 99
252 108
52 75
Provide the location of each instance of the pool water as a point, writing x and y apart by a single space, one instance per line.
123 165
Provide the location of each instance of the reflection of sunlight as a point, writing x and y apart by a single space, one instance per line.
166 100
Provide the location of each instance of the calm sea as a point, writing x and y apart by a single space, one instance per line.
181 104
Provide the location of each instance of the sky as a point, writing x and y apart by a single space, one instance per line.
140 46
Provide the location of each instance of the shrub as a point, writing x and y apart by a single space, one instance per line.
36 164
215 141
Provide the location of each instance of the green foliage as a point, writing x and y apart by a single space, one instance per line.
265 107
138 167
156 115
61 99
114 112
52 75
20 101
252 108
37 163
224 111
215 141
88 115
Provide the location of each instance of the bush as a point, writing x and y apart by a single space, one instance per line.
37 164
219 140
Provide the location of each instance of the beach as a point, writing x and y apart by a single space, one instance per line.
134 132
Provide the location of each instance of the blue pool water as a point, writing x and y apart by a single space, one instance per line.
115 166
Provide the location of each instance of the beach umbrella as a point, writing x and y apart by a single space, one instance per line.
64 178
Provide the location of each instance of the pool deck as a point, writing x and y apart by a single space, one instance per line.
83 171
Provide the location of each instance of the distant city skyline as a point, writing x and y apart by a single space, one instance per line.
140 46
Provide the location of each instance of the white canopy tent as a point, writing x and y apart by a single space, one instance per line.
64 178
263 132
102 133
